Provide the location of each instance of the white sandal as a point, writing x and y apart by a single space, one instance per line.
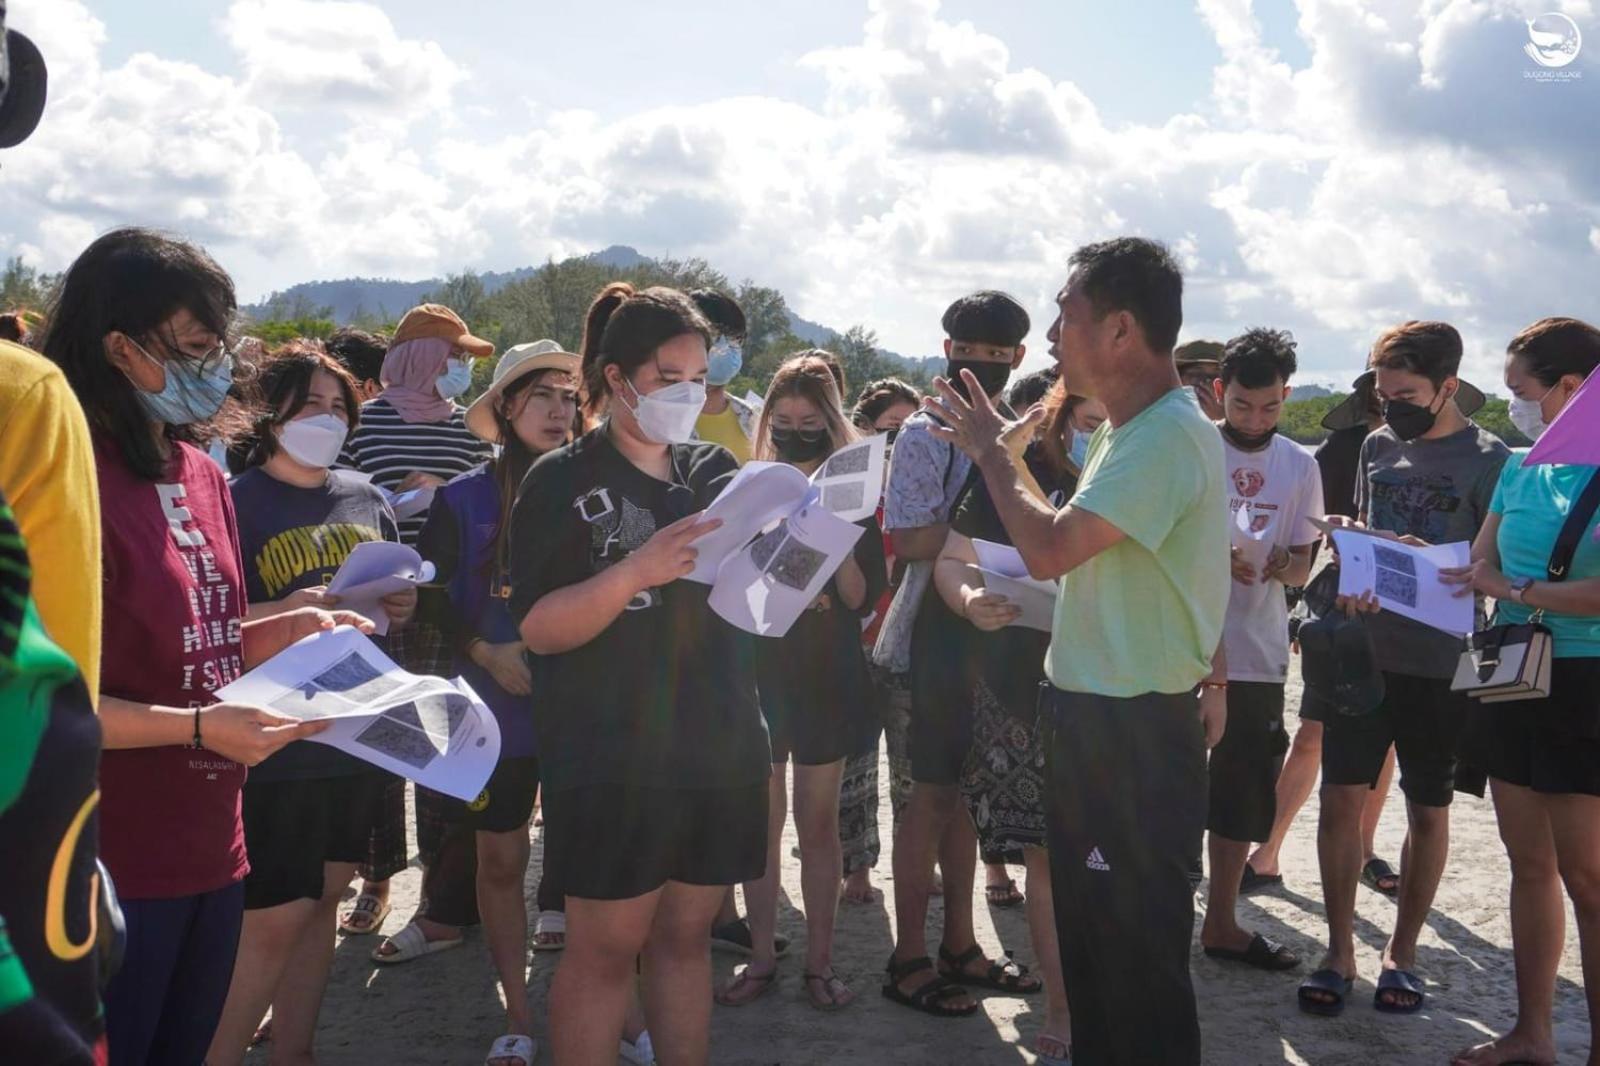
639 1052
412 943
513 1046
550 923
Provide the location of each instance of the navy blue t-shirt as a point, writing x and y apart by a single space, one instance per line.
291 539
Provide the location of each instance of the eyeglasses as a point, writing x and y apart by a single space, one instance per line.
208 362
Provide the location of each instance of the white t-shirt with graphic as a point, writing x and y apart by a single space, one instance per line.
1280 487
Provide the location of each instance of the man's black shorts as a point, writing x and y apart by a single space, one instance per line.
292 827
1421 717
1245 763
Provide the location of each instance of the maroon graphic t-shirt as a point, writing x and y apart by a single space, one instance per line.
174 609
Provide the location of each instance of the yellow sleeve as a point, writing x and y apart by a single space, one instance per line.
47 472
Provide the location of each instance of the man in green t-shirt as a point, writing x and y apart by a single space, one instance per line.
1143 554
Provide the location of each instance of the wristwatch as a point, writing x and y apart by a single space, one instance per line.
1519 589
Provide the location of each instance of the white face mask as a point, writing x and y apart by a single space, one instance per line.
1528 415
668 415
314 441
456 379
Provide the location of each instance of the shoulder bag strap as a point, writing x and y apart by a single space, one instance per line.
1572 532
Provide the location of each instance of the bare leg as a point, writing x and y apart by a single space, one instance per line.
1575 823
761 900
1538 929
502 866
677 976
1427 848
1295 783
1221 926
1046 947
1339 855
1372 812
816 818
298 1002
918 839
728 911
591 989
267 939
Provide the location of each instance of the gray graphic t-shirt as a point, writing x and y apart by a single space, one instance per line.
1438 490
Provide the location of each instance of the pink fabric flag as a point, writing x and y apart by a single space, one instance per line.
1574 437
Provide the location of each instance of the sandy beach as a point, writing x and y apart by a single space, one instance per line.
447 1008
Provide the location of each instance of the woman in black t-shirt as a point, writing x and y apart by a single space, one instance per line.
816 696
653 753
1003 780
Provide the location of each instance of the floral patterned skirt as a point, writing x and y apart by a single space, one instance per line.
1003 779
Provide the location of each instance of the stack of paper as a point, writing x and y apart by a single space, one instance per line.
1006 574
1405 579
375 569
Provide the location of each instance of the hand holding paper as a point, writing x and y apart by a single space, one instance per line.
374 570
1005 574
1405 579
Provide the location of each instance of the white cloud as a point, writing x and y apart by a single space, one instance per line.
1407 171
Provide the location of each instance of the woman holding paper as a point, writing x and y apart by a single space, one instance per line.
816 696
1003 780
308 810
140 328
652 750
411 439
1543 756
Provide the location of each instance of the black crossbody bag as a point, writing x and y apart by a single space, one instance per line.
1505 663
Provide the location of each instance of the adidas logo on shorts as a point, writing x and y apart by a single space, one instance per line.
1097 861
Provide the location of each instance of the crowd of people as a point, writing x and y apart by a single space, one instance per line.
176 501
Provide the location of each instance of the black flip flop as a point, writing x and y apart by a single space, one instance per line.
1262 953
931 997
1377 871
1330 983
1250 881
1008 976
1399 981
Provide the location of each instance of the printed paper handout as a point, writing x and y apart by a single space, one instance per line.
375 569
435 732
1405 579
1005 573
763 575
411 503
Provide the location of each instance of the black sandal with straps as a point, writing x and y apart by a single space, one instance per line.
932 998
1008 976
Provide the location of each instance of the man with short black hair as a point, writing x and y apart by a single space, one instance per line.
1275 491
1429 473
362 354
1142 551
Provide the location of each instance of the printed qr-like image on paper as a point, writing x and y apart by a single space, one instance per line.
795 564
398 741
1397 587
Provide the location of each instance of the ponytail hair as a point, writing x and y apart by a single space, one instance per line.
626 326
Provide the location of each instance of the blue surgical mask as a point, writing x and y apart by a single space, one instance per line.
1080 448
194 389
456 379
723 362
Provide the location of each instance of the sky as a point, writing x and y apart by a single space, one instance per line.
1330 167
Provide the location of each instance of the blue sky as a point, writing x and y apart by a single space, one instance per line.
1323 166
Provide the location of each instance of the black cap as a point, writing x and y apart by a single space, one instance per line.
22 86
1352 411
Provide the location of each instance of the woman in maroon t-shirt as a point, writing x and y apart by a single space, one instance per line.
139 330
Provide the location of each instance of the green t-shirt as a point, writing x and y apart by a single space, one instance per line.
1146 614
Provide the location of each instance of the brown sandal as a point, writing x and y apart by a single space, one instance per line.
763 981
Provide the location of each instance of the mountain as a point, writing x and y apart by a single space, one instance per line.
1311 392
388 299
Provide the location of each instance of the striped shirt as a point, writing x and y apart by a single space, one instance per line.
389 448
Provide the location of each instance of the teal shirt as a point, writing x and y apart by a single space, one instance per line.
1533 503
1146 614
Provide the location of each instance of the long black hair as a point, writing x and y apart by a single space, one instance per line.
511 465
131 281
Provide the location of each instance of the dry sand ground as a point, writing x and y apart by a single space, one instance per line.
447 1008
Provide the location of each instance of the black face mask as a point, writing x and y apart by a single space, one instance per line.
992 377
1408 420
800 445
888 437
1248 444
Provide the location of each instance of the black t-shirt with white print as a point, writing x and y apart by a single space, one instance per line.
665 696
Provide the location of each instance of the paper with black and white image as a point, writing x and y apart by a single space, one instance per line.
764 587
1254 532
851 481
435 732
758 495
1405 579
375 569
1005 573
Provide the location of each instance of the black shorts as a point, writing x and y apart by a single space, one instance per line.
614 841
292 827
1547 745
1245 763
506 802
1422 718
